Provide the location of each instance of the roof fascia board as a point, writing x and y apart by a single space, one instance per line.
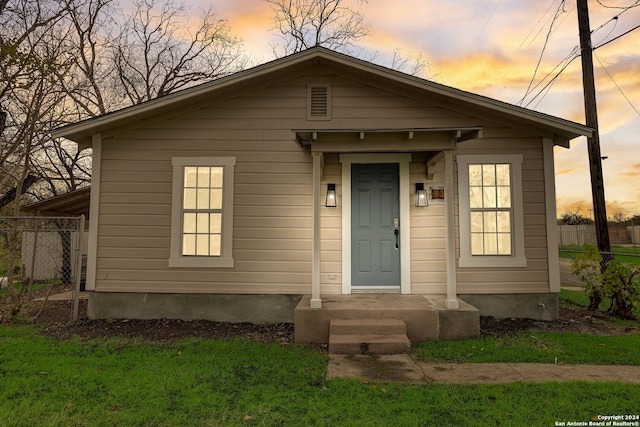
140 111
82 129
469 97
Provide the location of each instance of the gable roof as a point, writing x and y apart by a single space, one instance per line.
81 132
73 203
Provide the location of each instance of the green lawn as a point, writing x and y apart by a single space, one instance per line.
194 382
541 347
537 347
626 254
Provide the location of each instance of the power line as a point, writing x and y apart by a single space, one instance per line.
559 10
572 56
617 37
552 81
616 85
616 17
575 53
486 23
535 26
637 3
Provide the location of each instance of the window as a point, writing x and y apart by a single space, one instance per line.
202 212
490 207
491 217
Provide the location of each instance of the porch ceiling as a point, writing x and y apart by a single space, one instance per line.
387 140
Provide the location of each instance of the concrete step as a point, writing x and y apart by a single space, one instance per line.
367 326
369 343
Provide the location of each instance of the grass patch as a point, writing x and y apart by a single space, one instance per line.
630 255
204 383
615 249
536 347
36 286
580 301
577 299
541 347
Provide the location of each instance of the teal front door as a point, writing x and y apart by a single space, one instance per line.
375 227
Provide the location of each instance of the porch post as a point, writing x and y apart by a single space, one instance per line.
552 225
449 225
315 252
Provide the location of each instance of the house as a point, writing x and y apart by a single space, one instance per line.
317 177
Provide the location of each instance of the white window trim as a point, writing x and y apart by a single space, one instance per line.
225 260
517 258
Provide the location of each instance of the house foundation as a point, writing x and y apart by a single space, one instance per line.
527 306
215 307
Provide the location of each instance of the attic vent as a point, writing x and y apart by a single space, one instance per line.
319 102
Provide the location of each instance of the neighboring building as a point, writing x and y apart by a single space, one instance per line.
212 202
57 236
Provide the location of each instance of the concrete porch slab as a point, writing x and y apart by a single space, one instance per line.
423 316
461 323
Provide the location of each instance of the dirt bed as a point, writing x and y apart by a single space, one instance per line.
55 319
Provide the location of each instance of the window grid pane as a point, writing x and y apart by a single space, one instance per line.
202 211
490 205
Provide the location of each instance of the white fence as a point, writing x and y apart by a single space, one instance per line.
50 252
580 235
43 250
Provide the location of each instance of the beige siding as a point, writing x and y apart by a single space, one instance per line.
535 277
272 194
428 258
272 218
331 223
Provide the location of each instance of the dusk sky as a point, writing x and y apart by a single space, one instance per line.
491 47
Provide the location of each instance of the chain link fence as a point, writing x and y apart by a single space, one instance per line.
628 254
41 251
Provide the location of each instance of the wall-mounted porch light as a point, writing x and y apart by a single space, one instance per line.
421 195
330 202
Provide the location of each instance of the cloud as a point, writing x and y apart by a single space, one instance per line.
568 171
585 207
492 47
582 206
632 172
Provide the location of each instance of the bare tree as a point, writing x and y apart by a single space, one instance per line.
60 167
302 24
158 54
20 20
32 103
90 81
415 64
113 61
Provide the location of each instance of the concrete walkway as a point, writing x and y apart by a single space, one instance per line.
401 368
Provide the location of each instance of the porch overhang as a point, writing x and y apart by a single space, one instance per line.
440 142
385 140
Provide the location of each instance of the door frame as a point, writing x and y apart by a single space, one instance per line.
403 160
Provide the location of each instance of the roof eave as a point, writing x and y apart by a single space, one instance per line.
81 132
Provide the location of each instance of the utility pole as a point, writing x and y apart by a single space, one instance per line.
593 143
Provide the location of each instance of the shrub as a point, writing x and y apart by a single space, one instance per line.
621 282
617 280
588 268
